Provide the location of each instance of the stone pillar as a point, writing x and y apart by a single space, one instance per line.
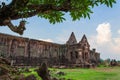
9 48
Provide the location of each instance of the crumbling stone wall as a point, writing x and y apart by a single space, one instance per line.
25 51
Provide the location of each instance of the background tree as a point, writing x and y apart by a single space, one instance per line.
53 10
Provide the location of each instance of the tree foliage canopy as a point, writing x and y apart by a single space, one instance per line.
53 10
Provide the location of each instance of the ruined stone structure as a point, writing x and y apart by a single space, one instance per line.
25 51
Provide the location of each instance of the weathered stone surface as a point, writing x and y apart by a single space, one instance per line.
30 77
4 61
3 71
30 52
43 72
113 63
7 72
72 40
3 66
54 79
60 73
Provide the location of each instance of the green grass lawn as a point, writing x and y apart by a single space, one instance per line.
104 73
32 71
92 74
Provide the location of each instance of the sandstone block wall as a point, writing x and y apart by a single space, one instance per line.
25 51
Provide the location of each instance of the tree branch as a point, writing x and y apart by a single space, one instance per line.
27 8
14 13
44 9
18 29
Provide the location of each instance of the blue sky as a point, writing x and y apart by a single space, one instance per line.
102 30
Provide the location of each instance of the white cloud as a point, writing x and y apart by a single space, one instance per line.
118 31
116 45
108 45
104 33
47 40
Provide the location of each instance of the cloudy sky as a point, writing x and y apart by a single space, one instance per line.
102 30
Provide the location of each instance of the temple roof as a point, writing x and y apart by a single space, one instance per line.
84 40
72 40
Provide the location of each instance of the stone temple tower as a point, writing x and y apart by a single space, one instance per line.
72 40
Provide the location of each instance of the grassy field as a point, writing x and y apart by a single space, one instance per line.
93 74
104 73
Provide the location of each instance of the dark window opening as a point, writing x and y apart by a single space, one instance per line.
76 54
86 55
71 55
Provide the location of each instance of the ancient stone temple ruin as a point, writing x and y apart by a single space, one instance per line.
25 51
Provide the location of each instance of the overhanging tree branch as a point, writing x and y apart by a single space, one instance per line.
18 29
48 9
